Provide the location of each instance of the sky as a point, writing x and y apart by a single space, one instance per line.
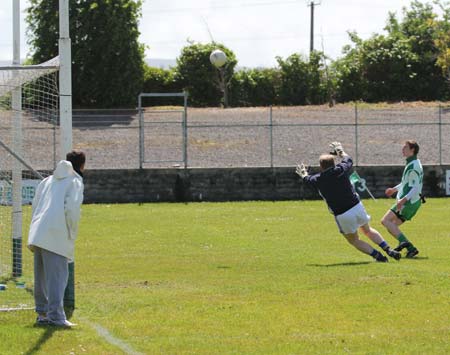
257 31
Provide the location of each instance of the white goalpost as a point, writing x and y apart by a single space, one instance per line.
35 132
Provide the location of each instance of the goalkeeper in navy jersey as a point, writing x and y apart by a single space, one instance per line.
409 198
335 187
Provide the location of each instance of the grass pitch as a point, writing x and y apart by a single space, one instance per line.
245 278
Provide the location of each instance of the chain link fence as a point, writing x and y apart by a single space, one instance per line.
246 137
284 136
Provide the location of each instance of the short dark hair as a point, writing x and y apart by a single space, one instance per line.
326 161
77 158
413 145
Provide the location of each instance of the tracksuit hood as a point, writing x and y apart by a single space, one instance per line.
63 169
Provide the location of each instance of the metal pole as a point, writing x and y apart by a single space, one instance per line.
356 134
16 103
55 122
65 116
141 132
185 134
271 135
440 135
311 41
65 79
19 159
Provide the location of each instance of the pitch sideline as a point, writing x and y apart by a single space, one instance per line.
105 334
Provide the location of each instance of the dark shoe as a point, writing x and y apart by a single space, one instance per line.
402 246
412 253
380 258
41 320
394 254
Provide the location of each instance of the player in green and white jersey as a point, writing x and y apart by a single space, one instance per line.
408 198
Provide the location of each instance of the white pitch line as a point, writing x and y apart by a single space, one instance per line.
105 334
6 309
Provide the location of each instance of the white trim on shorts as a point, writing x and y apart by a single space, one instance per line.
349 221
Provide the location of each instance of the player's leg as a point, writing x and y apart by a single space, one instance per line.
392 221
348 224
40 292
364 247
376 238
56 267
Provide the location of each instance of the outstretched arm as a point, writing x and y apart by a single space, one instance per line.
337 149
301 170
346 164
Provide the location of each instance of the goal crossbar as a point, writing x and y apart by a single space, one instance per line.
15 76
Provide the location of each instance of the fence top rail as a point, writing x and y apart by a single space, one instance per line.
105 110
147 110
161 94
276 124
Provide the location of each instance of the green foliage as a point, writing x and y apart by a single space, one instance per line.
349 81
442 40
378 69
420 27
411 61
158 80
108 66
302 80
255 87
199 77
401 65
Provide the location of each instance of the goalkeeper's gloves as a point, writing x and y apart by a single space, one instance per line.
336 149
301 170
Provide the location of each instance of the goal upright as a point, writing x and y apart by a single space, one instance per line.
35 132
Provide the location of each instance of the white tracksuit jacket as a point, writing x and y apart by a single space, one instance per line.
56 211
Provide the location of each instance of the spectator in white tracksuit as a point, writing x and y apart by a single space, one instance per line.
53 230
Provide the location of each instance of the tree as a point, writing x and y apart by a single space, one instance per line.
108 61
255 87
199 77
161 81
401 65
377 69
442 41
420 27
302 80
348 73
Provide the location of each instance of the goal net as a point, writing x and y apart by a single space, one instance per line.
29 111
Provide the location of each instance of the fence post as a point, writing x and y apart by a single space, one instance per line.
185 134
55 123
271 135
141 132
356 134
440 134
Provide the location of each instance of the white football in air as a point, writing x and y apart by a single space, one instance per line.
218 58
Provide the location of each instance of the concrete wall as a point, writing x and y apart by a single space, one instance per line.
232 184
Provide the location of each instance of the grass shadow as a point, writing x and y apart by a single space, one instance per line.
342 264
49 330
